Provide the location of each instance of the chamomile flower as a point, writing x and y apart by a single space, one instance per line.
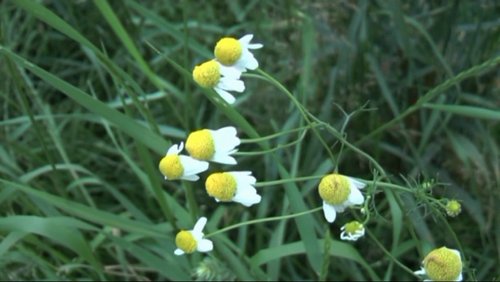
188 241
236 186
236 54
352 231
339 192
212 74
213 145
442 264
174 166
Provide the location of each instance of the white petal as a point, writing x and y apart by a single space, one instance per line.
175 149
230 71
231 84
255 46
192 166
358 184
247 198
178 252
243 178
329 212
223 158
245 40
460 277
200 224
190 177
355 197
225 139
226 96
205 245
248 61
420 272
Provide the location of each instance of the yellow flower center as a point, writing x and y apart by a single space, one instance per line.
221 186
453 208
353 227
171 167
443 265
207 74
228 50
186 241
200 145
334 189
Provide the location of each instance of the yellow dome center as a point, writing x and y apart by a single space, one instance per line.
186 241
334 189
228 50
443 264
200 145
171 167
353 227
221 186
207 74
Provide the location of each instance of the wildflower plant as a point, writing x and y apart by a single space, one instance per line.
328 140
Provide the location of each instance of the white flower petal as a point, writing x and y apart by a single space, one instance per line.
189 177
231 84
355 197
192 166
226 96
230 71
247 198
460 277
356 183
178 252
329 212
175 149
223 159
245 40
255 46
420 272
205 245
200 224
247 61
225 139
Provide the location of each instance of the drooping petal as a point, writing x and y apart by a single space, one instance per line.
223 159
230 72
205 245
356 183
355 197
230 84
329 212
247 61
247 197
226 96
192 166
178 252
189 177
420 272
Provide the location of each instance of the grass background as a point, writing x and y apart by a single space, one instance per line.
94 92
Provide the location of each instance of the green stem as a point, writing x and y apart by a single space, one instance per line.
283 181
255 221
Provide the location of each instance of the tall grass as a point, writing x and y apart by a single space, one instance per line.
400 94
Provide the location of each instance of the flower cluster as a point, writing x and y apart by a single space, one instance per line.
232 57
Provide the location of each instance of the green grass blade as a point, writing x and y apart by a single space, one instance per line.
62 230
121 121
468 111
